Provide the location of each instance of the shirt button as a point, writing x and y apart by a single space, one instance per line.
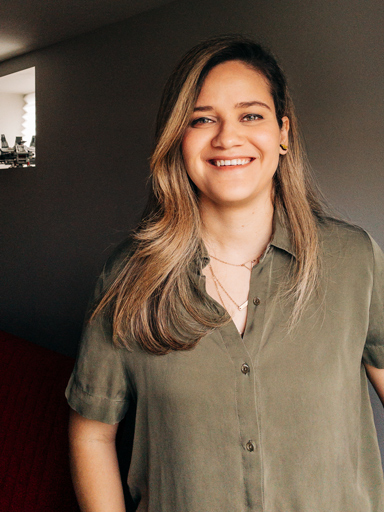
250 446
256 301
245 368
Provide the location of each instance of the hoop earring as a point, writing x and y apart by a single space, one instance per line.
284 147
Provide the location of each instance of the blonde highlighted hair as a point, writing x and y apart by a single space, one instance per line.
154 298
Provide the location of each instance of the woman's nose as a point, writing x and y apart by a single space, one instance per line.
228 135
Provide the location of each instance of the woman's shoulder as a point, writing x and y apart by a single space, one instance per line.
342 237
335 227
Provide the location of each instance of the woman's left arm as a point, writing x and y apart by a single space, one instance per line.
376 376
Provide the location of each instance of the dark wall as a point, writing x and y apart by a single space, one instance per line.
97 97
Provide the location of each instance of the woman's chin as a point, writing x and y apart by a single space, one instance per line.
236 198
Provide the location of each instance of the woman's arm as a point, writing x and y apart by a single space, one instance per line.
94 466
376 376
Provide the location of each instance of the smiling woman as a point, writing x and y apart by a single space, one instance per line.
237 321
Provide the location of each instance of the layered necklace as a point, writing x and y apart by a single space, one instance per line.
219 286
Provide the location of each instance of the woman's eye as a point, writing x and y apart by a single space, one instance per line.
252 117
200 121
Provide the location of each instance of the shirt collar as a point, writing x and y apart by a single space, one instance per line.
281 238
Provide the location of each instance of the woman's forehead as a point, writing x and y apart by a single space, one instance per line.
234 82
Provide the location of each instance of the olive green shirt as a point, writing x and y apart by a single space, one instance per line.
276 421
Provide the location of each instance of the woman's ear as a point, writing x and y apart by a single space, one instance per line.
284 135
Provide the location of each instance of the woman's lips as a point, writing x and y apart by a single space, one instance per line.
230 162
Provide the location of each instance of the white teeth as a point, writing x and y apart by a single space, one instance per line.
236 161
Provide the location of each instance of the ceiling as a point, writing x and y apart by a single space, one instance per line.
22 82
27 25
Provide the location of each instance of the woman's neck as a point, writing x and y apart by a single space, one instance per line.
236 234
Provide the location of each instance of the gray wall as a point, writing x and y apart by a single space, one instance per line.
97 97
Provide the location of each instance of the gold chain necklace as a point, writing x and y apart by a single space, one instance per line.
252 262
217 283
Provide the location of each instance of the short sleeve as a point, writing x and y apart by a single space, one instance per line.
99 387
374 347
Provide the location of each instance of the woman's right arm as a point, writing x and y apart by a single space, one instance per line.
94 465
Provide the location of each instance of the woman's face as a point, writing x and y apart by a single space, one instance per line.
231 147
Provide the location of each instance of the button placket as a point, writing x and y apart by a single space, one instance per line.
244 356
252 340
245 400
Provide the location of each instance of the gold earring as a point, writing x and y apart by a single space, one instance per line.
284 147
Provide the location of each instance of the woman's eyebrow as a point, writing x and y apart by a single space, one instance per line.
202 109
246 104
243 104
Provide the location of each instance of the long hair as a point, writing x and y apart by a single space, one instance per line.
154 298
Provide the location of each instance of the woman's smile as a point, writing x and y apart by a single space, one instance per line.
230 162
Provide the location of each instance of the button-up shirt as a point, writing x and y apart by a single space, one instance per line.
278 420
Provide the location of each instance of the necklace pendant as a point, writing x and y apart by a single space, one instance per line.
243 306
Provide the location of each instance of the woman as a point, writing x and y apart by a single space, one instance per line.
238 319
